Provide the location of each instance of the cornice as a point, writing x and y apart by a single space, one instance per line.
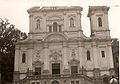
53 8
93 9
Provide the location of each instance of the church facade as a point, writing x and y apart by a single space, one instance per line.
57 52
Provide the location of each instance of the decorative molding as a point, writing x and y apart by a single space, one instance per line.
55 55
74 61
37 63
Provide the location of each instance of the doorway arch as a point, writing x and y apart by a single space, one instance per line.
55 82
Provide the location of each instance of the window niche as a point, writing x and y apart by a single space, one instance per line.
88 55
38 23
99 21
72 22
23 57
103 54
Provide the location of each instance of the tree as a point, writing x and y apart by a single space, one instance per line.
9 35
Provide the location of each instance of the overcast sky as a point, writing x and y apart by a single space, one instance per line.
15 12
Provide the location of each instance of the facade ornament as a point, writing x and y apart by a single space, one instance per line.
38 53
73 55
56 55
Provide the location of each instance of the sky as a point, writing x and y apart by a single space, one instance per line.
16 12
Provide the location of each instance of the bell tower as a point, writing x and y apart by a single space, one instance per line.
98 16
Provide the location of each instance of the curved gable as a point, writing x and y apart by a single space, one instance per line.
55 37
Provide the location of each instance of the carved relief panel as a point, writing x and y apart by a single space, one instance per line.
56 55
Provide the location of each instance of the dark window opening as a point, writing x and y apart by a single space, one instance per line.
72 82
88 55
99 22
33 83
77 82
103 54
60 28
56 68
37 82
50 28
74 69
38 71
23 58
54 27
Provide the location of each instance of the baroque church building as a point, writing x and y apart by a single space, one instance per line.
57 52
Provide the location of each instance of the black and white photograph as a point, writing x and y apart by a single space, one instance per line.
59 41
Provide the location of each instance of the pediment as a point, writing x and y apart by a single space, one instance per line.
74 61
55 37
37 63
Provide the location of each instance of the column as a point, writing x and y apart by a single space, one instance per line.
30 57
65 21
16 69
96 70
65 63
95 55
31 23
46 57
17 53
110 56
43 26
80 46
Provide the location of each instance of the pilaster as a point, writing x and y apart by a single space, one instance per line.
95 55
80 49
65 61
110 56
46 57
30 56
17 53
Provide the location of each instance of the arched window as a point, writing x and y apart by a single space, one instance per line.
55 27
88 55
99 22
71 22
23 58
38 24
